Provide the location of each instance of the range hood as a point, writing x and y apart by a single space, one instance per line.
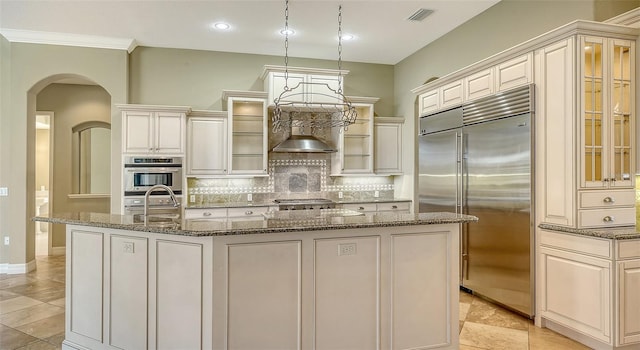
303 144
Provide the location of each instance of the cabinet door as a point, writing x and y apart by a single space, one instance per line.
480 84
278 82
515 72
138 132
629 298
247 136
429 102
388 148
607 125
207 146
451 94
169 130
323 88
564 301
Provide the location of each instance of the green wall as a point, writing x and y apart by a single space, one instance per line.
196 78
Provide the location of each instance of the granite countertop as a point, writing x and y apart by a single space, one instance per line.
271 203
313 221
616 233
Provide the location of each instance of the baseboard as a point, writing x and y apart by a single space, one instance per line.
12 269
582 338
58 250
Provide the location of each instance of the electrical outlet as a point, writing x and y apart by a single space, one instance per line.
192 198
346 249
128 247
340 195
6 240
249 197
376 194
4 191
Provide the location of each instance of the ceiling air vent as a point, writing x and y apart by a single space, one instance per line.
420 15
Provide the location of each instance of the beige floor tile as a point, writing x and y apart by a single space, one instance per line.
6 295
38 345
465 297
56 340
18 303
58 302
463 311
546 339
12 339
467 347
31 314
44 328
482 311
493 338
15 281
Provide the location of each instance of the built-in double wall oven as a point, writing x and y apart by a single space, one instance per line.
141 173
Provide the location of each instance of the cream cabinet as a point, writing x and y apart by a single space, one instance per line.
207 143
310 85
586 142
247 132
607 112
514 72
373 207
480 84
231 214
153 129
387 150
601 299
355 143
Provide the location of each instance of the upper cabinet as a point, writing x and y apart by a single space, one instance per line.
607 112
310 85
247 132
207 143
387 149
355 143
153 129
502 76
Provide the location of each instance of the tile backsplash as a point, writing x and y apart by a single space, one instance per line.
291 175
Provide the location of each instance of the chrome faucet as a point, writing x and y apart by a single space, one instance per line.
159 187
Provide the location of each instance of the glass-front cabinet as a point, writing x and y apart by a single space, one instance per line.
355 143
607 111
247 133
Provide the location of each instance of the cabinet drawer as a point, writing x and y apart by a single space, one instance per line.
607 217
205 213
581 244
628 249
363 207
394 206
247 211
604 199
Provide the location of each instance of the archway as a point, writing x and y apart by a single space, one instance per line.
74 99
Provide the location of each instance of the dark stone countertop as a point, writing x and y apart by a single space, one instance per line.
615 233
311 220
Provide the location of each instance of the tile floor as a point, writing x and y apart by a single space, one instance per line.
32 316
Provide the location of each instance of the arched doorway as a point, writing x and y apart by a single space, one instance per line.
75 102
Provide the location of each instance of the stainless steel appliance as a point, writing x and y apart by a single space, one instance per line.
134 205
142 173
476 160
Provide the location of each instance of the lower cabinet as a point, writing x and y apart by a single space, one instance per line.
589 288
396 207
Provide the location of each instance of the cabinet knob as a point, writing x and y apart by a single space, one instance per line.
360 208
608 200
608 218
248 212
394 207
206 213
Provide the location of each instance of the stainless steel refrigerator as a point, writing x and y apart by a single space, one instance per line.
476 160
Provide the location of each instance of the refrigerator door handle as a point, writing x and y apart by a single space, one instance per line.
459 155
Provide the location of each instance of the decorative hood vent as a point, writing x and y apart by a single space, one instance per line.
298 143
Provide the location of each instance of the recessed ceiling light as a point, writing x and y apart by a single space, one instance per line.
287 31
222 26
347 37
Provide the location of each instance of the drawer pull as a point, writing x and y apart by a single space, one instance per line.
248 212
608 200
608 218
206 213
394 207
360 208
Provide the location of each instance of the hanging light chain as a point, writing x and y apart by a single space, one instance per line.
286 45
340 48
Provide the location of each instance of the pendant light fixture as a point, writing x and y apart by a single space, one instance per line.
335 110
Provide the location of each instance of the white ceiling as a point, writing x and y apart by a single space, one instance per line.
383 33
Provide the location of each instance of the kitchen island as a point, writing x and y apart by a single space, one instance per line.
321 279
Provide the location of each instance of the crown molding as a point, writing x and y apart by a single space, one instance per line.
66 39
631 18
